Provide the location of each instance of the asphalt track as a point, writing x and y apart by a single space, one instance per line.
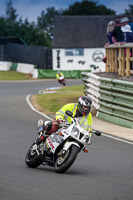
106 172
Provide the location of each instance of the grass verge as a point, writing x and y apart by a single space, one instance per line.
52 102
13 75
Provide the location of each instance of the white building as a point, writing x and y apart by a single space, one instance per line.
78 43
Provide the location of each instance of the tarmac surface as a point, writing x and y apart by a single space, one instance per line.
112 129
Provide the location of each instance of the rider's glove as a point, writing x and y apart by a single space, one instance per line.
62 122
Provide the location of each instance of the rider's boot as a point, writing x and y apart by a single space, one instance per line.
40 123
41 132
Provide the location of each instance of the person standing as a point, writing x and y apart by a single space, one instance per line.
127 33
117 33
125 21
110 28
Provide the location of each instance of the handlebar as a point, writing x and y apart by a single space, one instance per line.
96 132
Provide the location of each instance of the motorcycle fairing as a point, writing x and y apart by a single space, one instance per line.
54 140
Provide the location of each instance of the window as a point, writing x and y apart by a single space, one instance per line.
74 52
69 52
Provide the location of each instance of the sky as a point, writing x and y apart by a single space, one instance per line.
31 9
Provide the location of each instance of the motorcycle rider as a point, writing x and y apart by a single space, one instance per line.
59 75
80 110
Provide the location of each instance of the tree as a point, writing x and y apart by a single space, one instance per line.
45 22
88 7
11 13
10 26
130 10
33 35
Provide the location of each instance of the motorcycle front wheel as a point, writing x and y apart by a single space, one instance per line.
63 163
31 158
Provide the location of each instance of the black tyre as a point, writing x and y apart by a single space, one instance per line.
62 164
31 158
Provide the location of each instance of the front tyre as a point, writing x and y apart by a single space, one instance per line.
31 158
62 164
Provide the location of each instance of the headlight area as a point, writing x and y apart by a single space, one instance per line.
75 132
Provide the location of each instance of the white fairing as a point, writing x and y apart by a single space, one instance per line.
74 131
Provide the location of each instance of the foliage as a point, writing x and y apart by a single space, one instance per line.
130 10
87 7
45 21
29 32
25 30
11 13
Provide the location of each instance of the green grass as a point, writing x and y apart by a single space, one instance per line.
52 102
13 75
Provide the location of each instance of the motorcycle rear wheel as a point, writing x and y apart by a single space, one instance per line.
62 164
31 158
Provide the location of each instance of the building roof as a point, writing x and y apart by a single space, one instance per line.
81 31
18 40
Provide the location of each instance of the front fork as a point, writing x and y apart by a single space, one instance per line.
68 144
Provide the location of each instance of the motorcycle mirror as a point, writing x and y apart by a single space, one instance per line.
69 113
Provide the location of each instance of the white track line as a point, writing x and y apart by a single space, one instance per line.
33 108
115 138
106 135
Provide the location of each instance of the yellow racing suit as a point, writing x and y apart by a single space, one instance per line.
84 121
61 74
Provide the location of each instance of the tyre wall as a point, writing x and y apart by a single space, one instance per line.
113 99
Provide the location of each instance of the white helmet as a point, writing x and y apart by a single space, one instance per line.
84 105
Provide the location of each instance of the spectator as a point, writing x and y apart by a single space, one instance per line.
117 33
125 21
110 28
128 38
127 33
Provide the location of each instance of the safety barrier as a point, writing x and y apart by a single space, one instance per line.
119 59
19 67
39 73
68 74
112 99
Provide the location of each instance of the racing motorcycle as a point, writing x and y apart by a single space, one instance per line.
62 80
61 148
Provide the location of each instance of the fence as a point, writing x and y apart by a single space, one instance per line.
31 54
119 59
113 99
